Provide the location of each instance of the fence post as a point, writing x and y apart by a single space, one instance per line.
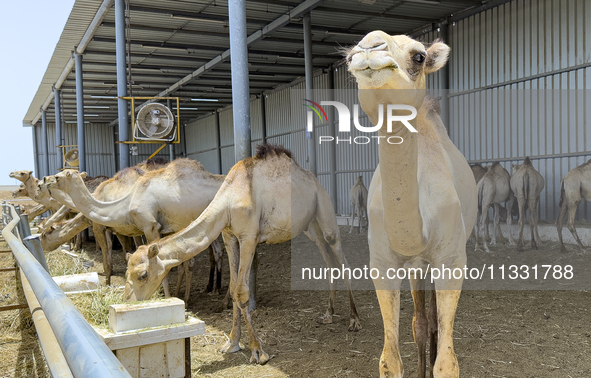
33 244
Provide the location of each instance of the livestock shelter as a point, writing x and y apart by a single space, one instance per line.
514 86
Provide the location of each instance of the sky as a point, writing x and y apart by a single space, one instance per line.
29 31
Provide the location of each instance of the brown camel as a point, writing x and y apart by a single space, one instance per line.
527 184
422 199
493 189
478 171
161 201
358 198
247 210
574 186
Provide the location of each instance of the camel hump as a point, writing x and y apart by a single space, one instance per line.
266 150
527 161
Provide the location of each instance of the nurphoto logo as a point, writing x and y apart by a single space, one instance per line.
344 119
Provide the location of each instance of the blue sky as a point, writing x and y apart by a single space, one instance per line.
29 31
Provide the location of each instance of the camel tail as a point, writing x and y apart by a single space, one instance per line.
480 190
561 193
526 187
360 199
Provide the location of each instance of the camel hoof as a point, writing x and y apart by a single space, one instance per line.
209 289
259 357
230 347
325 319
354 325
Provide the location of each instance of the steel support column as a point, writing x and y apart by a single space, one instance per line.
218 136
44 146
80 114
121 53
332 149
240 87
309 69
58 126
444 75
264 116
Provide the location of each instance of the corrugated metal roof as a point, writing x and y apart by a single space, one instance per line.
172 39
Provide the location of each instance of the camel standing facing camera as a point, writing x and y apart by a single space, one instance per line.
358 198
422 199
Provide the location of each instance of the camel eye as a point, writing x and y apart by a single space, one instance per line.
418 58
143 276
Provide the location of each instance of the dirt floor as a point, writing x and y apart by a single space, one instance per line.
497 333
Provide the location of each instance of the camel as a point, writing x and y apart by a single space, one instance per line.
527 184
248 211
20 192
26 177
422 205
161 201
493 189
478 171
574 186
358 198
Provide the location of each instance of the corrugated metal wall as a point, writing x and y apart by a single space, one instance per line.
519 75
99 147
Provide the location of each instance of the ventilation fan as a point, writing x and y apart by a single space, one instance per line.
155 122
71 157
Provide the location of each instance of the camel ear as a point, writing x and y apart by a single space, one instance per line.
83 174
127 256
437 55
68 174
153 251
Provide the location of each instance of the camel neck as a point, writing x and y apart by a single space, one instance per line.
400 191
106 213
196 237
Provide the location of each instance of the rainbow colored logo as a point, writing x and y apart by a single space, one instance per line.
316 110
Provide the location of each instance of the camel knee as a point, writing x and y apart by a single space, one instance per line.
241 295
330 237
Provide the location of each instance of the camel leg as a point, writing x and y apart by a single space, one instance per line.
559 224
212 269
533 224
352 217
498 231
137 240
521 204
315 234
359 218
419 322
572 210
496 220
189 266
219 258
432 318
233 251
100 236
446 363
509 204
390 361
241 297
484 225
180 274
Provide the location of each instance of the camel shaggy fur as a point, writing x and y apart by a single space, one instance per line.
422 201
247 210
574 186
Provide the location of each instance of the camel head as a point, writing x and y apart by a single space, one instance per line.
42 190
62 181
20 192
145 272
22 176
397 65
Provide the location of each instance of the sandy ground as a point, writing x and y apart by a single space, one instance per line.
497 333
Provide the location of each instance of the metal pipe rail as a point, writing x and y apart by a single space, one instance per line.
85 352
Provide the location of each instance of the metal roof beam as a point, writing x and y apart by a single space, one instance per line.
84 41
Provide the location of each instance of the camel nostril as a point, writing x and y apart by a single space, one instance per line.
379 46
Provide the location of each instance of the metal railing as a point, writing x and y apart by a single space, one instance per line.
83 350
